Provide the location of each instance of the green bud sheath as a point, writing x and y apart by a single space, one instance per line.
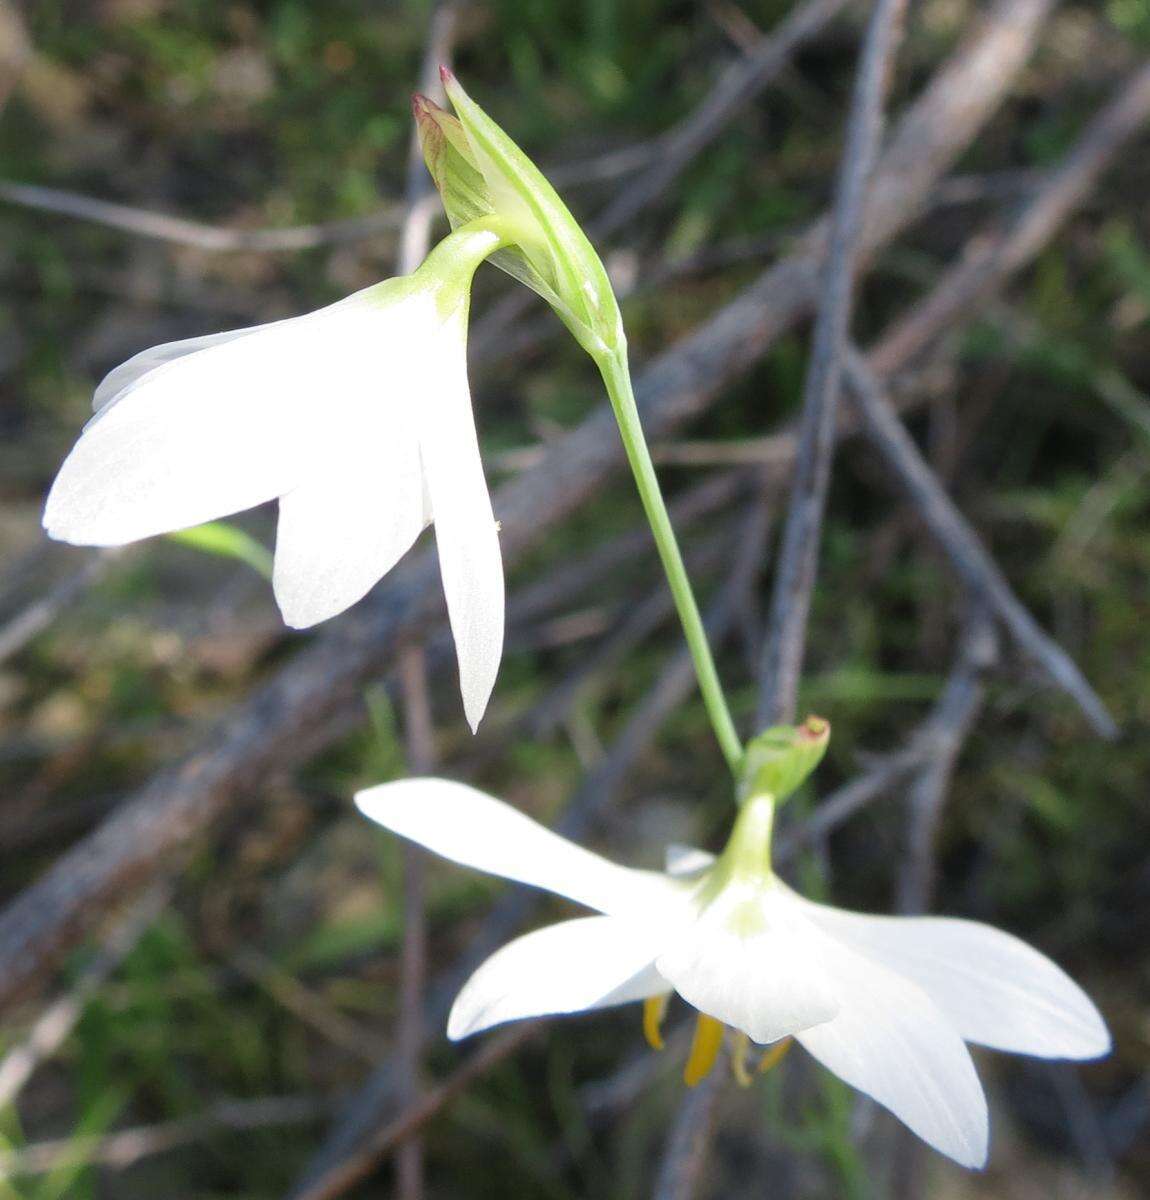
778 761
465 194
480 171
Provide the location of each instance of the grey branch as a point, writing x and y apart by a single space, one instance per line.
196 234
125 1147
935 740
952 723
57 1021
414 241
961 544
736 88
785 642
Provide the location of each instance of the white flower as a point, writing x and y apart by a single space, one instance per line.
886 1003
356 417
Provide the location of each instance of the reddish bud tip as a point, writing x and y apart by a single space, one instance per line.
423 108
814 729
445 74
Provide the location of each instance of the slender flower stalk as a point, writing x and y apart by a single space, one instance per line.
617 377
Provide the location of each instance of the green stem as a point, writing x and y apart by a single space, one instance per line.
617 377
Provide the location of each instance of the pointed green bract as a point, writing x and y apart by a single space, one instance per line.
464 191
778 761
479 170
451 164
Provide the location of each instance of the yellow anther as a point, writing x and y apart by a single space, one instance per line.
704 1049
774 1055
740 1047
654 1009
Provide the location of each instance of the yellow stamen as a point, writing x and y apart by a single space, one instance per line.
654 1010
774 1055
739 1049
704 1049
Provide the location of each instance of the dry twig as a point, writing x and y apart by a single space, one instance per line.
359 1164
32 620
737 87
182 232
997 255
414 242
785 643
936 740
420 736
961 544
57 1021
953 722
126 1147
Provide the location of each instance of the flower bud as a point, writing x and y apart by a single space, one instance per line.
778 761
480 172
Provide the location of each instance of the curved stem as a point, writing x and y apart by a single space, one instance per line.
617 377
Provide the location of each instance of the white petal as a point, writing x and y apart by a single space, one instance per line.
343 530
994 988
211 433
891 1042
588 963
123 378
752 960
465 532
469 827
129 373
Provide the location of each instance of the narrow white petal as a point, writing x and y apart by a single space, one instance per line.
753 961
469 827
465 532
994 988
344 529
891 1042
588 963
210 434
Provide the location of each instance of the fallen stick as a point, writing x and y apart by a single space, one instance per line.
784 645
362 1161
961 544
124 1148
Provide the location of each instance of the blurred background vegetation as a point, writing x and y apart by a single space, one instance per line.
267 975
